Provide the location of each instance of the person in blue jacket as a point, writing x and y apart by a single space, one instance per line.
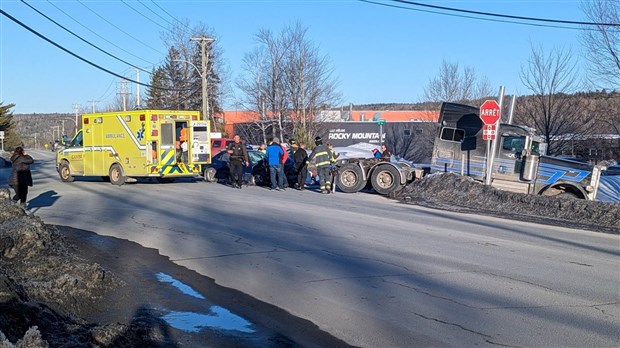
274 159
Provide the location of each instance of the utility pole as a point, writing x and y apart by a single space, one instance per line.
93 102
124 93
205 60
76 108
138 89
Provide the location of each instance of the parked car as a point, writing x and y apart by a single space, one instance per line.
612 170
254 174
257 173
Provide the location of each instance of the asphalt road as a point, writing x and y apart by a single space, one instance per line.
368 270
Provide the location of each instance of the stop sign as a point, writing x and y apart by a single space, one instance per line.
490 112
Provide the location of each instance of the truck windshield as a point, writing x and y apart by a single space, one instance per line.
517 144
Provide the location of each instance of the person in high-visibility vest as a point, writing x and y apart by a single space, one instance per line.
320 155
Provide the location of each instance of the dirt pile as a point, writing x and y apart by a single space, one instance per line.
456 192
46 292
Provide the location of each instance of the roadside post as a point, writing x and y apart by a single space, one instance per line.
490 113
2 139
381 122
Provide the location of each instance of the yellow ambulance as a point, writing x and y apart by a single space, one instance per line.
125 145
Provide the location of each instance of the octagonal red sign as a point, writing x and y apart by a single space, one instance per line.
490 112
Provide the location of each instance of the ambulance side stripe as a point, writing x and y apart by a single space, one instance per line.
133 136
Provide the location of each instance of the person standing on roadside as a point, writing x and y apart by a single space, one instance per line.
238 157
301 165
274 159
21 177
320 155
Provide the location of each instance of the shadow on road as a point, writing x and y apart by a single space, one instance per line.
45 199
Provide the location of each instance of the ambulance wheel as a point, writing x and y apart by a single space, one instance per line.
385 179
209 174
116 174
65 172
350 178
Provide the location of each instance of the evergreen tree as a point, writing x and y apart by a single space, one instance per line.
11 138
156 95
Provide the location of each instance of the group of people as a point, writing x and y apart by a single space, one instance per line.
277 154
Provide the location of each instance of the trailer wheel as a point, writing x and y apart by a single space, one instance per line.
350 178
385 179
209 174
65 172
116 175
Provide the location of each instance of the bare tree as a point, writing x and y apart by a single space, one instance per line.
456 85
556 114
602 42
286 80
179 79
310 84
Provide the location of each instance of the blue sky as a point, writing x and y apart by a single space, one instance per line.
379 54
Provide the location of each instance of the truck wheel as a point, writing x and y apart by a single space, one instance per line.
385 179
65 172
350 178
209 174
116 175
567 196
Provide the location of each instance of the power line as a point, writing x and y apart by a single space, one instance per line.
99 36
84 40
536 19
171 16
155 13
119 29
473 17
81 58
143 15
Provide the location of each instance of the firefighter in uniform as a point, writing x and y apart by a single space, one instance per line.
333 169
238 157
320 155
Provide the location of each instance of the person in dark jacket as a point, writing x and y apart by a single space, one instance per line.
320 155
301 165
238 157
20 177
385 153
274 159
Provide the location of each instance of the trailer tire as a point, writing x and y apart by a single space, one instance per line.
385 179
116 175
65 172
350 178
209 174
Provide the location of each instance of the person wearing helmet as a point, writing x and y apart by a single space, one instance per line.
320 155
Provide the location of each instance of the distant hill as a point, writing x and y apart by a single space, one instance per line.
46 127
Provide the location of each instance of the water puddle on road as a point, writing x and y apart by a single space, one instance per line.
184 288
221 319
216 318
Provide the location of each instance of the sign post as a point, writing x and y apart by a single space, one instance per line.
381 122
490 113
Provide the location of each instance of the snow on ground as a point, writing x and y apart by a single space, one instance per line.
609 189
